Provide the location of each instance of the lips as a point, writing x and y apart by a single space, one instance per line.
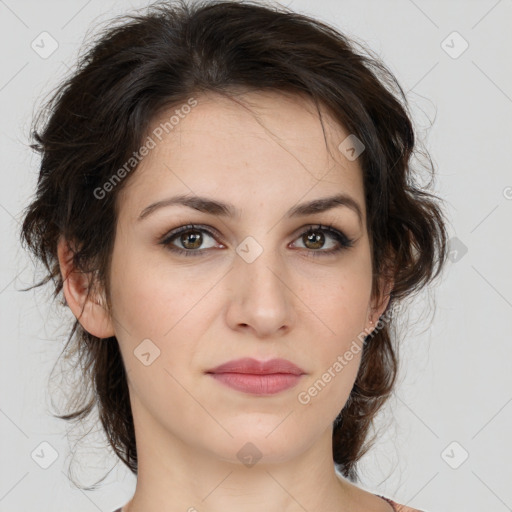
259 378
255 367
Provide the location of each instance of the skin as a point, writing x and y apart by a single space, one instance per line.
206 310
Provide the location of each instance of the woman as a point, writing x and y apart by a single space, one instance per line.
227 205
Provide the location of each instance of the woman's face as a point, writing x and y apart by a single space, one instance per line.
248 283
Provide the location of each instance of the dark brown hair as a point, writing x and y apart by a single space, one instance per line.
159 58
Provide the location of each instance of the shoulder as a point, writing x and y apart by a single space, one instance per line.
360 499
399 508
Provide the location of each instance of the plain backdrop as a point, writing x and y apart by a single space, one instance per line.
445 445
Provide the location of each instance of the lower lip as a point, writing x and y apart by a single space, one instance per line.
258 384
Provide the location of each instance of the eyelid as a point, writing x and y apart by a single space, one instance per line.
173 233
343 241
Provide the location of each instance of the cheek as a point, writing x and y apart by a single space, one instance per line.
340 301
161 304
149 297
325 394
342 307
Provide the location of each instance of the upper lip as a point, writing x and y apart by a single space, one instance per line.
256 367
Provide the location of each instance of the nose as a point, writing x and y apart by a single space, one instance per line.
260 296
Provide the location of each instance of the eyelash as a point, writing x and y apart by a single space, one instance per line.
341 238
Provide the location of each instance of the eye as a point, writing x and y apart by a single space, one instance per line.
315 237
191 239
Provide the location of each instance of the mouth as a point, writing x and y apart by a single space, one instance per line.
258 377
256 367
268 384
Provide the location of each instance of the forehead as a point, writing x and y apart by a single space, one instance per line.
252 147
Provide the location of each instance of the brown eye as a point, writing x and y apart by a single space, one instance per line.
190 238
315 238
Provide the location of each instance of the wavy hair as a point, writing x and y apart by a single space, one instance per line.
145 62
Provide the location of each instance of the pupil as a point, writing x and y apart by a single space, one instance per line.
315 239
194 236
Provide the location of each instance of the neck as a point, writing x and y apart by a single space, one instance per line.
191 480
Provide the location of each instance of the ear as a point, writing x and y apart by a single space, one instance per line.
94 318
379 306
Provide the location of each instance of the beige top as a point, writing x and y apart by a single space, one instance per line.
397 507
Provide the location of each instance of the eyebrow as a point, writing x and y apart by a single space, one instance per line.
219 208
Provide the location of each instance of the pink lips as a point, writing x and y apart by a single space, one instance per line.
258 377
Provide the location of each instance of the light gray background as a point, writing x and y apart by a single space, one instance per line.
456 379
